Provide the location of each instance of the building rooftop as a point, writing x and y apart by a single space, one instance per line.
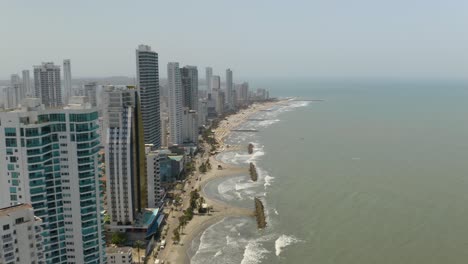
120 250
176 158
7 210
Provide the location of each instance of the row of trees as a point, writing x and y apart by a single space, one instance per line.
196 203
205 166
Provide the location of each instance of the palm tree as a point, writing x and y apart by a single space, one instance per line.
138 245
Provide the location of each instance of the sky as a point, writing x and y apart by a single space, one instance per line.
257 39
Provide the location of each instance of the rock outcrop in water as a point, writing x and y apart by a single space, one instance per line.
250 148
253 172
260 213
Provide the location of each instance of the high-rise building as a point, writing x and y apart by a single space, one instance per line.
49 159
154 178
67 81
202 112
229 90
90 91
21 239
18 91
215 82
27 84
175 102
7 97
208 75
243 93
190 126
220 101
148 87
47 84
125 150
189 76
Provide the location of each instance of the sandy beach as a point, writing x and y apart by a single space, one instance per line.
178 253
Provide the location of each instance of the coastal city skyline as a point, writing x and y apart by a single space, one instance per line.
95 164
243 132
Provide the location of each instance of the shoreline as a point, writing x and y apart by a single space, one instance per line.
180 253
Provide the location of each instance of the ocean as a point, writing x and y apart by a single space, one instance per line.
377 172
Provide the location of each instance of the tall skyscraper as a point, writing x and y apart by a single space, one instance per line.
217 94
18 94
215 82
47 84
209 74
190 126
49 160
243 93
20 240
189 75
67 81
220 101
175 102
27 84
148 87
90 91
229 90
8 97
202 112
125 171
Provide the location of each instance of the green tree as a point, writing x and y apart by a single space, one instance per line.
118 238
139 245
176 235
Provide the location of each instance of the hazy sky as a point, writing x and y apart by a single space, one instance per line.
314 38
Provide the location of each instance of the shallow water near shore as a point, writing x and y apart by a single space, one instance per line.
373 174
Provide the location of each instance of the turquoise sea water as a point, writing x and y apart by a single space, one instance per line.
376 173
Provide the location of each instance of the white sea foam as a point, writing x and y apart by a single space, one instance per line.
225 188
218 253
254 253
266 123
276 211
284 241
255 156
230 241
268 180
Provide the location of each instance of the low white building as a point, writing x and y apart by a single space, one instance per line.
20 240
119 255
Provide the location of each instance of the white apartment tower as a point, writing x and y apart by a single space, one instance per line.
175 102
243 93
126 181
229 90
217 94
7 97
215 82
49 160
27 84
67 81
21 239
148 87
18 92
208 75
90 91
47 84
190 126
